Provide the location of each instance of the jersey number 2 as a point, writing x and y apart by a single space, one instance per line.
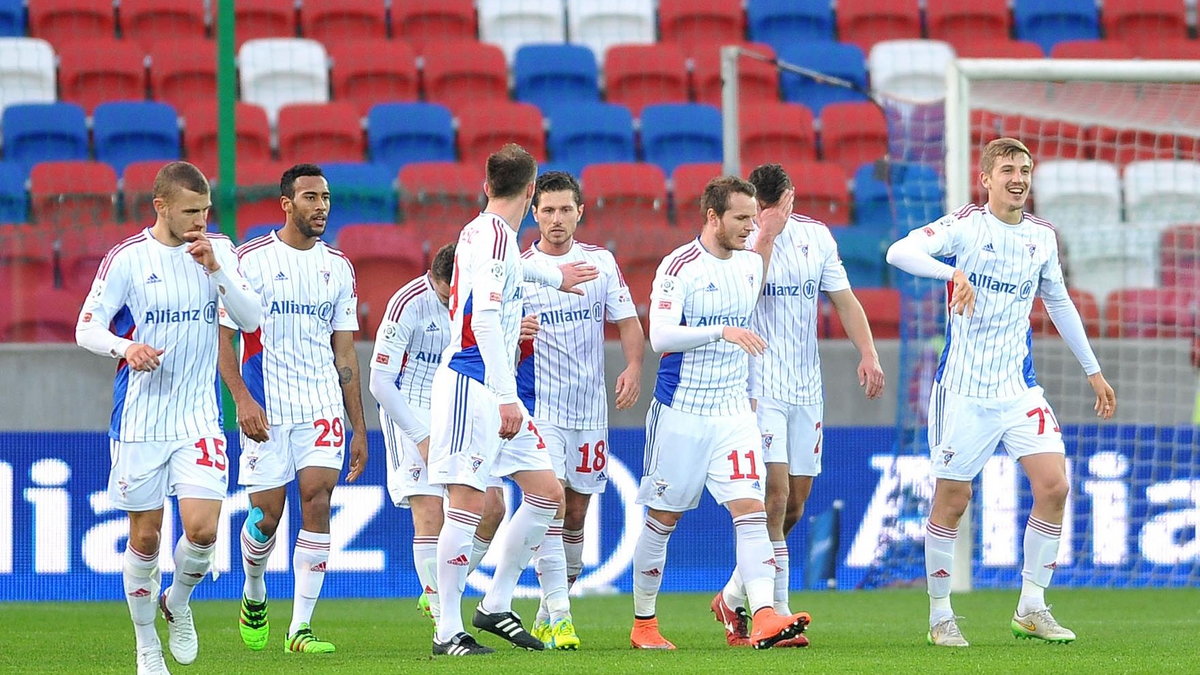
215 457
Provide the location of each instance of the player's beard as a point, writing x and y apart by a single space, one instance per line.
306 228
727 238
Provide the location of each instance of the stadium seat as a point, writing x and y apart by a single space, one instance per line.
695 25
1091 49
758 81
1077 193
777 133
919 194
366 72
1145 20
832 58
821 191
784 22
1162 192
510 24
687 186
1103 257
26 260
431 21
866 22
1167 48
1123 146
1047 139
80 252
463 74
997 48
639 251
258 19
27 71
13 200
586 133
258 194
882 306
128 131
852 134
963 23
438 198
255 231
43 314
62 21
872 197
681 133
91 72
385 258
1089 311
1150 313
320 132
552 75
1181 256
149 21
67 193
863 252
600 24
362 193
12 18
910 70
137 191
624 195
200 134
41 132
399 133
638 75
484 129
326 20
183 71
1047 22
278 71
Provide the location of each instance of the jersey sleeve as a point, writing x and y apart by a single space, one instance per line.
619 302
345 307
489 271
667 296
833 272
248 271
104 301
1051 282
942 237
394 337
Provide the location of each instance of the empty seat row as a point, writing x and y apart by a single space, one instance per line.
1078 194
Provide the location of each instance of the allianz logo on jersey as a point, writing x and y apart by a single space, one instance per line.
425 357
208 314
593 313
987 283
323 311
808 290
739 321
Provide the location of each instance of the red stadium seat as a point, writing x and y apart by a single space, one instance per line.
1091 49
1167 48
147 21
1130 145
998 48
696 25
777 132
1085 302
438 198
865 22
385 258
1150 313
1144 20
882 306
137 191
61 22
1181 257
638 251
200 134
43 314
483 128
325 20
366 72
821 191
26 259
1046 138
320 132
91 72
258 198
853 134
80 255
757 80
687 186
183 71
263 19
962 23
639 75
624 195
424 22
464 74
69 193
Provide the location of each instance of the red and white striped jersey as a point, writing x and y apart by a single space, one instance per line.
412 336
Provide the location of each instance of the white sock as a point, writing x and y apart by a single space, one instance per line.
254 565
573 548
649 559
1041 551
734 592
454 543
425 562
783 574
309 558
551 566
141 580
754 560
191 564
939 561
527 529
479 548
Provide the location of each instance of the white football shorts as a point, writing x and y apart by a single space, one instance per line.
579 456
289 448
144 474
792 435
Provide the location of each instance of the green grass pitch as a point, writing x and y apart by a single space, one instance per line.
879 631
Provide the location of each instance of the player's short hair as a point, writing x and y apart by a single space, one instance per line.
509 170
716 193
176 176
287 182
443 263
1001 147
770 180
557 181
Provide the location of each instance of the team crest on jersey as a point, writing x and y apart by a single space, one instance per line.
1032 249
804 250
767 440
947 455
476 461
325 276
660 487
750 279
414 472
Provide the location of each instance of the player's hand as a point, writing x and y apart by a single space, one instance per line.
1106 398
747 340
423 448
575 273
963 299
201 250
143 357
358 456
252 420
772 219
529 327
510 420
870 376
629 387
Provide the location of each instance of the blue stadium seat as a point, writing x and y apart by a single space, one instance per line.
401 133
14 205
838 59
587 133
919 193
681 133
783 22
261 229
872 207
1048 22
863 252
42 132
12 18
362 193
552 75
130 131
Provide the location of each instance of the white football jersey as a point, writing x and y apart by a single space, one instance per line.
307 295
412 336
560 377
695 288
990 354
160 296
804 264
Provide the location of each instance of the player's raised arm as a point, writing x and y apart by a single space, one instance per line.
771 221
238 299
565 277
915 254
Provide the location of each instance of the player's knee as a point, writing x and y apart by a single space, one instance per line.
793 514
1053 493
145 542
316 500
201 534
668 518
573 520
